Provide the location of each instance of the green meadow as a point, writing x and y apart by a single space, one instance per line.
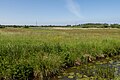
36 53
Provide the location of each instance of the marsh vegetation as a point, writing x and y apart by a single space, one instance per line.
39 53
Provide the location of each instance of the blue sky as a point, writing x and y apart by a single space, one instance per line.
59 11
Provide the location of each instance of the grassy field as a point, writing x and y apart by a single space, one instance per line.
36 53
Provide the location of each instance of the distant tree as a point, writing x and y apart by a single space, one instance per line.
68 25
26 26
106 25
2 26
115 26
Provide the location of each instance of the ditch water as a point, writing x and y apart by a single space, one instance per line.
107 69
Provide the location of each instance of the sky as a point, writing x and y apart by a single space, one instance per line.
59 12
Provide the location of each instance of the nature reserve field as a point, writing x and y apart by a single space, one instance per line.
34 53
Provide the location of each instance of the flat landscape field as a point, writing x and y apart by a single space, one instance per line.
33 53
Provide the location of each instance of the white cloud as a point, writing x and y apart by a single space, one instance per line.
74 8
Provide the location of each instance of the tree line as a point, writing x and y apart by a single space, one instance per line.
87 25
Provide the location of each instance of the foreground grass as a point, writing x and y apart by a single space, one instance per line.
36 53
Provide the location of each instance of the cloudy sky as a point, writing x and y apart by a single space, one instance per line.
59 11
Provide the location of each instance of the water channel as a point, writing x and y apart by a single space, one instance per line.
106 69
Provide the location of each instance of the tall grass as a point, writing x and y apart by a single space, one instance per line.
37 53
